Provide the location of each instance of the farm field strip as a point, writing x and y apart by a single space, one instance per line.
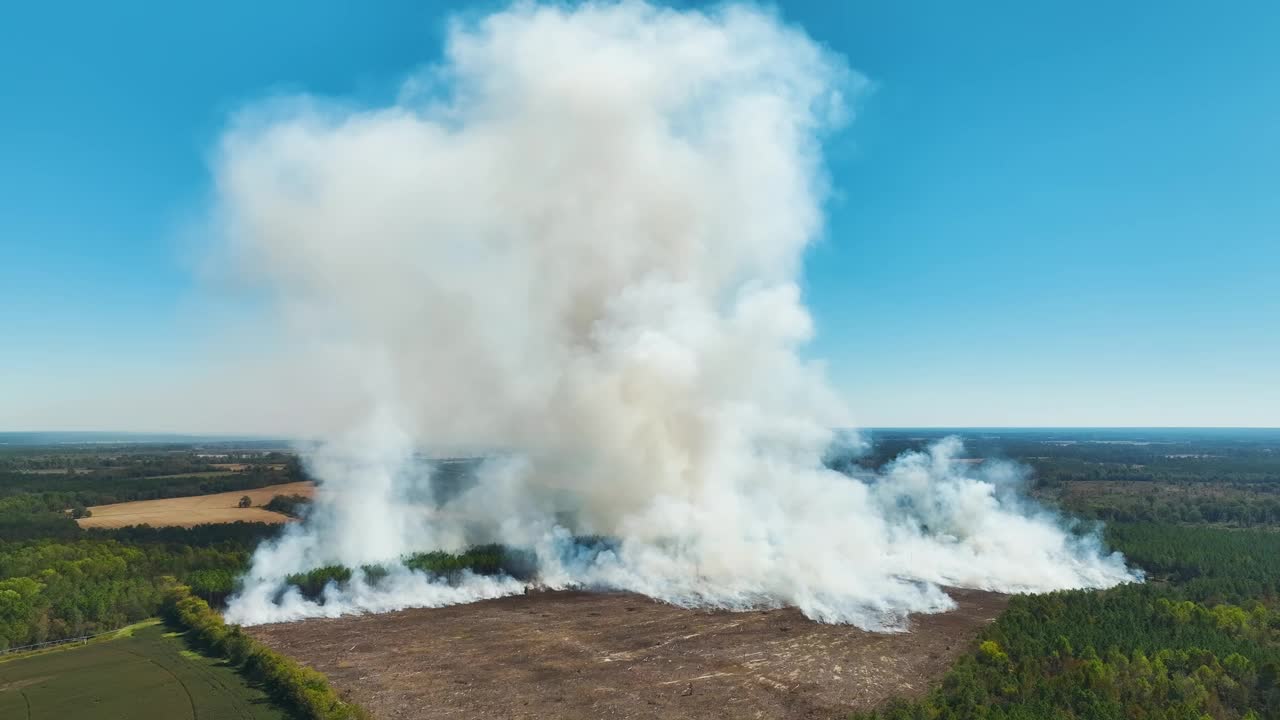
148 675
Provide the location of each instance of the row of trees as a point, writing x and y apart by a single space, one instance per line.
291 684
120 461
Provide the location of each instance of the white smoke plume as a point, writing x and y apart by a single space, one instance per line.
574 247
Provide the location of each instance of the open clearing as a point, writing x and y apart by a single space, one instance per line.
147 675
617 655
196 510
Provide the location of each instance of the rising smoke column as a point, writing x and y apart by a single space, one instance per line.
574 245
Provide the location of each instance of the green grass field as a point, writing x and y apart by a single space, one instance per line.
149 674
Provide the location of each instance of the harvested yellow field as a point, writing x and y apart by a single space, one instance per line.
197 510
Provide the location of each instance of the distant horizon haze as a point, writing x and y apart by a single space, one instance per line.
37 437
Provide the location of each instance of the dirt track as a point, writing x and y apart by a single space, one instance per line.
196 510
614 655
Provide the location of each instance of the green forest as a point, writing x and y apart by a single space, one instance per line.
55 588
1200 639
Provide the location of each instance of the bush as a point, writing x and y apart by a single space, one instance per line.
291 505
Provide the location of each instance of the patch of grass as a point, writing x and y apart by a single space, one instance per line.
143 674
129 630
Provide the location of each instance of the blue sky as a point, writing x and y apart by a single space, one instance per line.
1057 213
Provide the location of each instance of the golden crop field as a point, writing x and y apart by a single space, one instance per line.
196 510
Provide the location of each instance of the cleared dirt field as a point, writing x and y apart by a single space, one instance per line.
197 510
614 655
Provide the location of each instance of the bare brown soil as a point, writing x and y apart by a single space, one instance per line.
197 510
615 655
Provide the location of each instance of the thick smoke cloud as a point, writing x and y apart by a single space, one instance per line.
573 247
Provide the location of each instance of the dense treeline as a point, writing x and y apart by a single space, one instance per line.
1154 454
1221 505
481 560
104 489
1202 639
291 684
1204 564
311 584
36 516
54 588
1254 471
121 461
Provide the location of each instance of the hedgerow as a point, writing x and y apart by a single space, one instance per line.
293 685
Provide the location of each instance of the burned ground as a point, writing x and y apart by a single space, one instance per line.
616 655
